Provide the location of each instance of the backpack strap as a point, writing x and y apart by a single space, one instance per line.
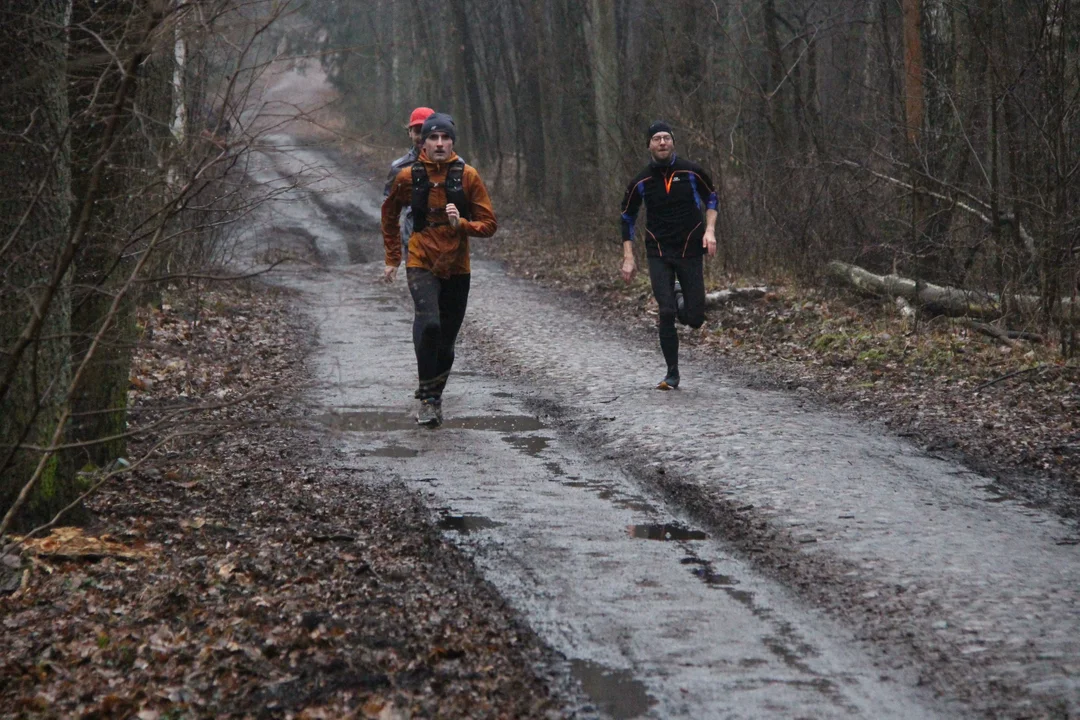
421 189
455 189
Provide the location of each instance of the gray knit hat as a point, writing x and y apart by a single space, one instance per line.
439 122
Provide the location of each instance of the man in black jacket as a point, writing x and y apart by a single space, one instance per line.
680 227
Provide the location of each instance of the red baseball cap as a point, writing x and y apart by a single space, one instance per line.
419 115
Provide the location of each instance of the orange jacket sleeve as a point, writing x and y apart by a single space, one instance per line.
482 223
400 196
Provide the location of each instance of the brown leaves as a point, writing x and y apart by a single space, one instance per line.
268 584
70 543
378 708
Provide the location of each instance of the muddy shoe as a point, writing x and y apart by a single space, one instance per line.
670 381
429 414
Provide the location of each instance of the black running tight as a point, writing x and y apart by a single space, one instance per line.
440 309
663 272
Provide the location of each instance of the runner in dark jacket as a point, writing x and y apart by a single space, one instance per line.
680 228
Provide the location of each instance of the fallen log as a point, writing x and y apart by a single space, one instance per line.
1006 336
722 297
991 331
954 302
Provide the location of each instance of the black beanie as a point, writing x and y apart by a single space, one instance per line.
439 122
658 126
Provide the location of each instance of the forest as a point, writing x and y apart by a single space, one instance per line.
933 139
215 499
113 119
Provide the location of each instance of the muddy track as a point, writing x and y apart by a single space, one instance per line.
921 555
716 550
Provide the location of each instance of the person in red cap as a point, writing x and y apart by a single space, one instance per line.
416 121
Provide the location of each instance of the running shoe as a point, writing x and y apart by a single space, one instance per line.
670 381
429 414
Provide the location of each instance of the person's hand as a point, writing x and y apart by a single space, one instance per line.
389 273
452 214
709 242
628 268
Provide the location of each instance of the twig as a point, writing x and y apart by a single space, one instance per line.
1010 375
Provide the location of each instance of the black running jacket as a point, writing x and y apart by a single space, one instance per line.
676 196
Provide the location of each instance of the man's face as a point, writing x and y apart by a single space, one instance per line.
438 146
661 146
414 134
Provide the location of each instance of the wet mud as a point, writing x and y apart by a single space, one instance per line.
716 552
391 419
613 692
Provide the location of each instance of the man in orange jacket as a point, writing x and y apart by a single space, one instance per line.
449 204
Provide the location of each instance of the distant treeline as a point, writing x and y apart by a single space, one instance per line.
935 137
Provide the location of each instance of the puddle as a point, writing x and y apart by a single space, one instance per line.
502 394
703 570
614 692
465 524
496 423
528 445
665 532
380 420
635 504
368 420
609 492
746 599
394 451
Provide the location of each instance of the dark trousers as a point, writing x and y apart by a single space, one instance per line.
663 273
440 309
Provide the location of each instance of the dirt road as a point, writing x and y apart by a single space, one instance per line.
718 551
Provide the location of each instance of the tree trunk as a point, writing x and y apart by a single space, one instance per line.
480 142
775 92
34 217
535 112
99 405
604 64
914 94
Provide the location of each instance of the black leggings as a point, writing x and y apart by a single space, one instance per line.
663 272
440 309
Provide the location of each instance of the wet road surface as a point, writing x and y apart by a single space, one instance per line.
553 468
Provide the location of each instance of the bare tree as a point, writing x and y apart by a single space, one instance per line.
35 311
